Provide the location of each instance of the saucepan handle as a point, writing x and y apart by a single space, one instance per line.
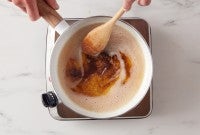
49 99
52 17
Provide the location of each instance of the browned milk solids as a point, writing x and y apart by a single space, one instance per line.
107 81
99 74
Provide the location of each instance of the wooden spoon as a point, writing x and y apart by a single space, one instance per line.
97 39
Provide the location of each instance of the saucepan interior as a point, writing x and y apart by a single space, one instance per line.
60 43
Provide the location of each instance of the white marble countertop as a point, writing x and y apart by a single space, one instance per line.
176 53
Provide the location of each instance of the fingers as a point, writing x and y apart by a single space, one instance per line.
127 4
32 9
144 2
29 7
23 9
19 3
53 4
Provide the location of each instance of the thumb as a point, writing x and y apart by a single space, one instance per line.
127 4
144 2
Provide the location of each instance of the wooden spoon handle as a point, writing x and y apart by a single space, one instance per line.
48 13
118 15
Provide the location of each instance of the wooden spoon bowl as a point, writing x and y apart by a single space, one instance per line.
97 39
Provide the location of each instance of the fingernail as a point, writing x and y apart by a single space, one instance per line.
144 2
34 18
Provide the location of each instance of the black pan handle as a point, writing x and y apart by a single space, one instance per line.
49 99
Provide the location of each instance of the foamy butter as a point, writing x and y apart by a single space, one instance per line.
120 93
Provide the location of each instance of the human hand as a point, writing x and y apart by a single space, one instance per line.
30 7
128 3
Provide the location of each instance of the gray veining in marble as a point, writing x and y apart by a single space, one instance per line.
5 121
23 74
170 23
195 61
182 4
